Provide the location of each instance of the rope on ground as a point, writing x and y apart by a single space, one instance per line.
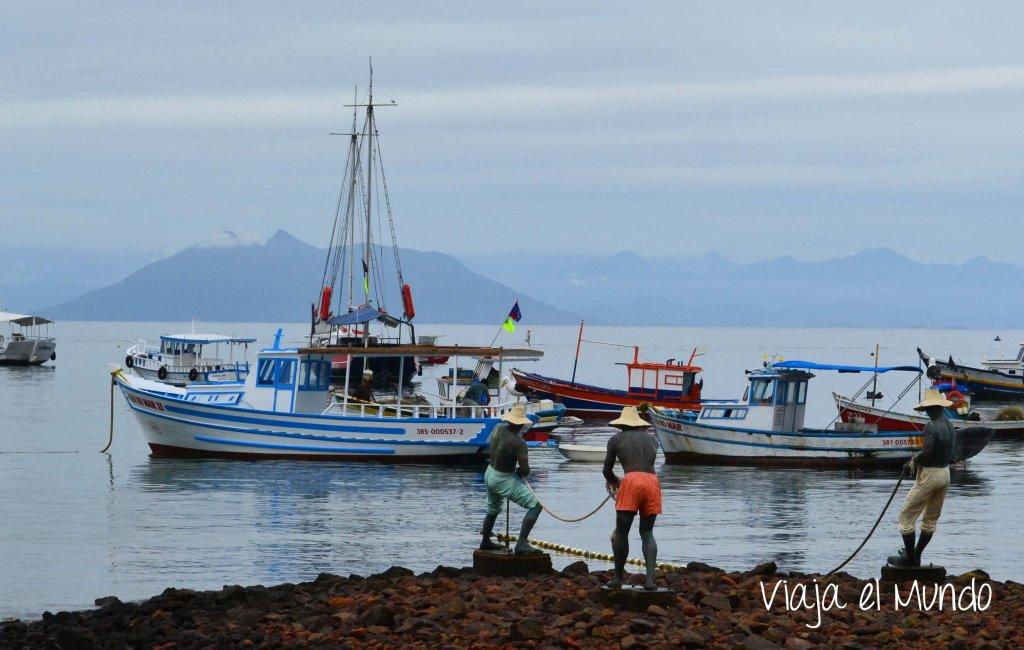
559 517
591 555
877 521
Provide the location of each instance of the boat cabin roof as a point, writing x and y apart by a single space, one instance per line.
426 351
23 319
204 339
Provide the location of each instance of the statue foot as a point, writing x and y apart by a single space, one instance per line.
522 548
488 545
901 559
615 583
649 584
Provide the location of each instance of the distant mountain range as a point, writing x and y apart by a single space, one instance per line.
225 279
873 288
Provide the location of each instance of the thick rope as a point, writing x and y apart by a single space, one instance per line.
570 520
113 383
590 555
877 521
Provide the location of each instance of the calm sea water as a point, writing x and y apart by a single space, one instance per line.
76 524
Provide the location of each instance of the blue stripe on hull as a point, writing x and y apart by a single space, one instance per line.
380 451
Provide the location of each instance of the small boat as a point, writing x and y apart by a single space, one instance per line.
766 426
853 412
584 453
179 359
546 417
998 380
669 385
28 345
285 410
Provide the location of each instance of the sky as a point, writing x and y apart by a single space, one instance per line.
753 130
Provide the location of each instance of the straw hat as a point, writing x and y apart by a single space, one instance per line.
630 418
517 415
932 397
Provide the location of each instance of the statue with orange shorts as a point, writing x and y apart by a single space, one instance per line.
637 491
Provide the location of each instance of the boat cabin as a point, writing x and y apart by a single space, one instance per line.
672 380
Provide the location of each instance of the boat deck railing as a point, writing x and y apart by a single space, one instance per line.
415 411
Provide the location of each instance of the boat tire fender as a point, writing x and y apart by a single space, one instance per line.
128 361
53 356
162 372
193 374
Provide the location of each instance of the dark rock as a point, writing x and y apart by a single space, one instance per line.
763 569
446 572
643 626
755 642
526 629
717 602
577 568
702 568
108 601
377 615
690 639
393 573
75 638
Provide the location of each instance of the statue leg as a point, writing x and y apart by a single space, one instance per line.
486 544
650 547
930 520
912 509
620 544
522 545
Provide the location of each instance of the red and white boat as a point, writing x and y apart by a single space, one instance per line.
888 420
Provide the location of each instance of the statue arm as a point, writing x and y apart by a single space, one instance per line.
523 456
927 448
609 464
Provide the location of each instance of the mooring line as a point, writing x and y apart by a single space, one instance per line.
591 555
877 521
570 520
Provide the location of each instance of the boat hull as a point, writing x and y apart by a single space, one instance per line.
30 352
984 384
180 378
173 426
686 441
851 412
592 401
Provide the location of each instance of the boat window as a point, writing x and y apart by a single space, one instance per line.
315 375
286 373
801 395
791 391
265 372
730 413
780 391
763 391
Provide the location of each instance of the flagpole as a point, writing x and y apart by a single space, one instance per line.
502 326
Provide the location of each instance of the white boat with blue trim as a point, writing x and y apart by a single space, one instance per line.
285 410
179 360
766 427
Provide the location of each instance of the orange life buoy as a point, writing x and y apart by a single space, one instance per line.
957 398
407 306
325 303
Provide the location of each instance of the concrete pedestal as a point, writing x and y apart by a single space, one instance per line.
508 564
923 574
637 599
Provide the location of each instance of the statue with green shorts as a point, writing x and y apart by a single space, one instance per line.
505 481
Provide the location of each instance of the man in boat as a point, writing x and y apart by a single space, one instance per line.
637 491
505 481
476 394
932 482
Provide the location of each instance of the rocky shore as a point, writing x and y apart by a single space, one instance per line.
458 608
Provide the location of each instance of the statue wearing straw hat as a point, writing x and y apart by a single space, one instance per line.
637 491
926 497
504 480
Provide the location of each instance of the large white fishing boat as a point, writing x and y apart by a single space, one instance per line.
766 427
179 359
30 344
285 410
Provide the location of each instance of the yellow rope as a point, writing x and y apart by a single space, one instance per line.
590 555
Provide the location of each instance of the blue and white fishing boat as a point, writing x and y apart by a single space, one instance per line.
285 410
766 427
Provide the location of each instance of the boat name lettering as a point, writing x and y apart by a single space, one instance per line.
147 403
903 442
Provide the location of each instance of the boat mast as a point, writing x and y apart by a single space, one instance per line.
370 128
353 152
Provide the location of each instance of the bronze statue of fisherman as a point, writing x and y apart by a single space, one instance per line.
942 446
637 491
505 481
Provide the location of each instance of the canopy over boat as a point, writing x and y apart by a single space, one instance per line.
205 339
427 351
22 319
357 317
811 365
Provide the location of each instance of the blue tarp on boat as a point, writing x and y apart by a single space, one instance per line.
357 317
811 365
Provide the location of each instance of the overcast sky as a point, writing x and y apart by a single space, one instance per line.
807 129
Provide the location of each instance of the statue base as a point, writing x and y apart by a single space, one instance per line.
924 574
507 564
637 599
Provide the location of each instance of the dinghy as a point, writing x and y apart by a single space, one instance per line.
582 453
